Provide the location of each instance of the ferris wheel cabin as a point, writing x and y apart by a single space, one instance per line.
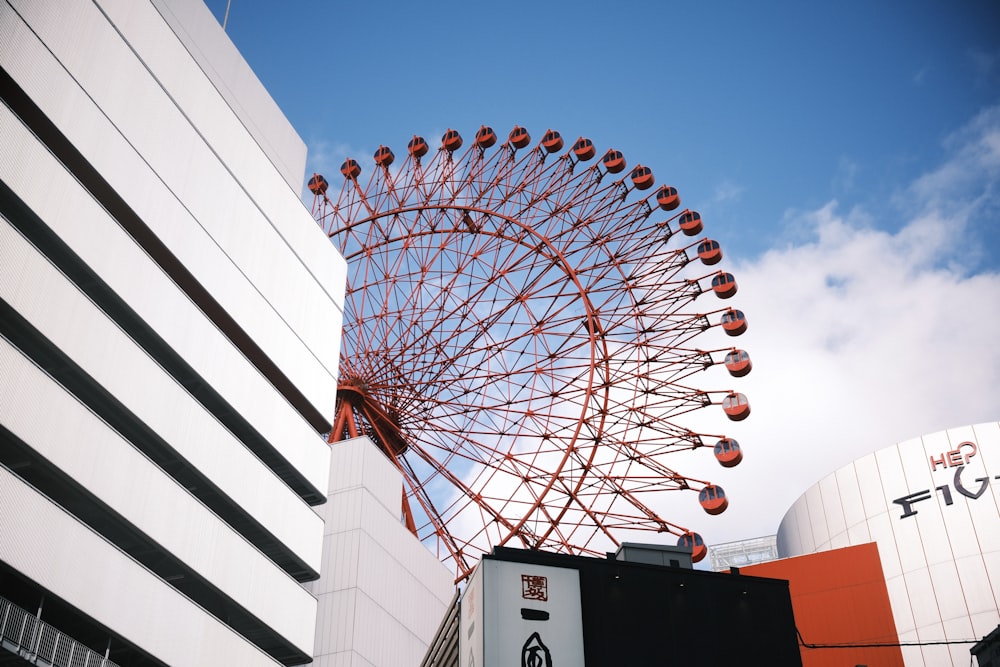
690 222
318 185
728 453
613 161
713 499
519 137
584 149
738 363
417 147
709 252
734 322
552 141
736 406
451 141
485 137
667 198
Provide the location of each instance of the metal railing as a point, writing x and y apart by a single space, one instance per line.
38 643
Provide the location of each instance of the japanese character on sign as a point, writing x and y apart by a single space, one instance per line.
534 587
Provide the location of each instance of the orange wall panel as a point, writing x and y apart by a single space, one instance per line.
838 597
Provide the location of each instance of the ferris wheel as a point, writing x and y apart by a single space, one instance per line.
519 338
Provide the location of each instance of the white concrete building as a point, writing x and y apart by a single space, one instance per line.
382 594
170 318
932 505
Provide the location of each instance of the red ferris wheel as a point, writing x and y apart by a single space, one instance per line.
519 337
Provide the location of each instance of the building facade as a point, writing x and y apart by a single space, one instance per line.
642 605
932 506
382 594
170 319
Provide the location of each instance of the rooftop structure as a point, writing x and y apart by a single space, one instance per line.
743 552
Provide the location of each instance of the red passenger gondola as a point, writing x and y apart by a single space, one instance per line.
584 149
710 252
690 222
350 168
519 137
451 141
694 542
417 147
384 157
642 177
728 452
734 322
724 285
713 499
667 197
552 141
738 363
318 184
485 137
736 406
613 161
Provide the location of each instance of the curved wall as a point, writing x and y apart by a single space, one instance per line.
932 505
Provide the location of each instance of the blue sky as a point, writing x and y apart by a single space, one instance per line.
847 156
750 109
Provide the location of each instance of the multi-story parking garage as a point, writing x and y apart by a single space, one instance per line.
170 319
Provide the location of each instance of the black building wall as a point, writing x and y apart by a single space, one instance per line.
647 615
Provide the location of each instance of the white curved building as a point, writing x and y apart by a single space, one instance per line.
932 505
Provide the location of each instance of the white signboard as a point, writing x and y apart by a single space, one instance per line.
470 622
522 615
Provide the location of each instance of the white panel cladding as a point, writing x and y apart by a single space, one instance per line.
817 519
975 581
859 534
941 556
136 489
366 546
60 312
373 622
850 496
76 564
343 659
870 485
880 529
921 591
135 278
950 605
833 508
219 58
988 437
182 78
360 463
373 567
902 608
177 186
793 534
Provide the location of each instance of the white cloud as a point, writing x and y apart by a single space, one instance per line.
985 65
728 192
846 177
861 337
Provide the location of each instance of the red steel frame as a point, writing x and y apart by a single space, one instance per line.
518 338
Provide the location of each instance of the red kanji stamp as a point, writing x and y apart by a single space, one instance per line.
534 587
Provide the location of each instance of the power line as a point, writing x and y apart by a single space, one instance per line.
943 642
